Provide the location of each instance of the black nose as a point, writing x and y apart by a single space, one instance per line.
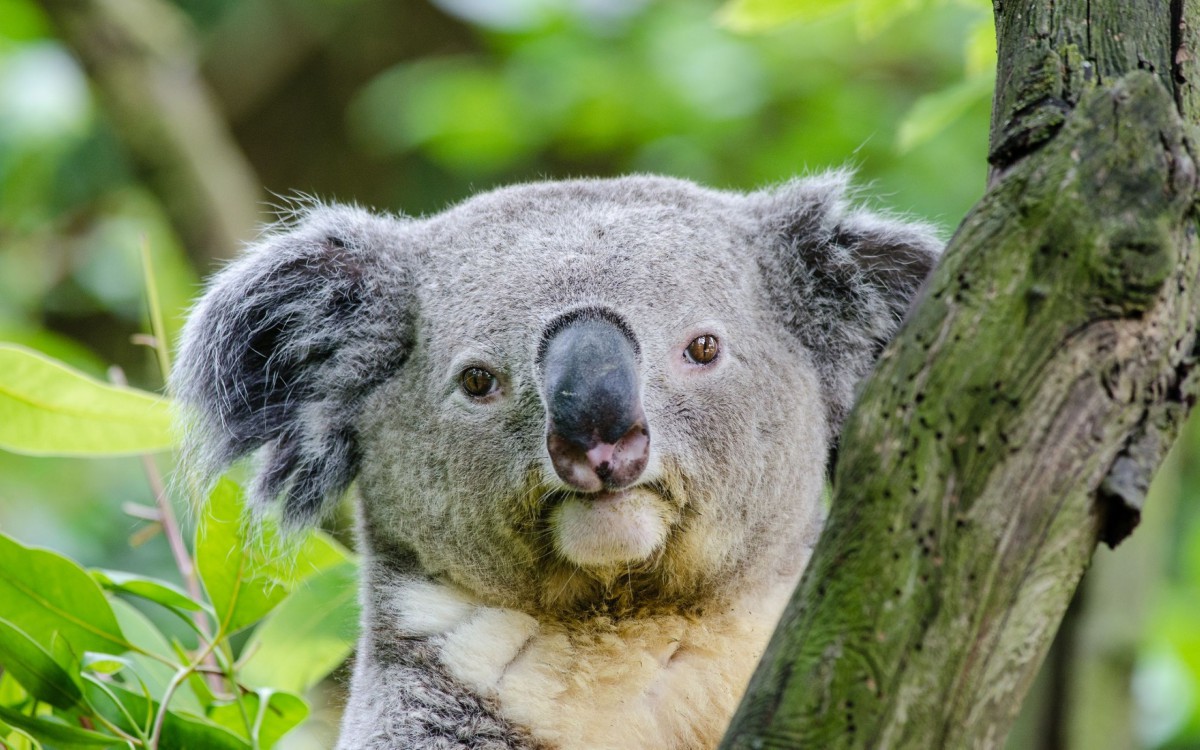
597 435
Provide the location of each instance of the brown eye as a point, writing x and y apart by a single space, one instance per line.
478 382
703 349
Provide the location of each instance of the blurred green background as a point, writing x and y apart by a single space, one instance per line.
178 124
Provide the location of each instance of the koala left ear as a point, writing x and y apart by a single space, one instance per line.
843 278
284 346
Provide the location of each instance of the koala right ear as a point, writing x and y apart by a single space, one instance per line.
842 277
284 346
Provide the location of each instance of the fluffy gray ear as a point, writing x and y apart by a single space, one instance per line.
284 346
842 277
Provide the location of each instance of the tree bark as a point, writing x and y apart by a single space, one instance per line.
1015 421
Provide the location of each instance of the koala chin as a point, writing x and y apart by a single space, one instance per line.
586 425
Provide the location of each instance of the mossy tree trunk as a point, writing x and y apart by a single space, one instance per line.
1017 419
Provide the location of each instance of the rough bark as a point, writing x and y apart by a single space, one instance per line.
1016 420
1086 701
141 58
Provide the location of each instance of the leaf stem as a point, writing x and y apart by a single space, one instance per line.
170 526
139 735
169 693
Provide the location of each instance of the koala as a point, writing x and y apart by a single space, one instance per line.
586 424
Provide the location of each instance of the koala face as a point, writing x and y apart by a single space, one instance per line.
577 396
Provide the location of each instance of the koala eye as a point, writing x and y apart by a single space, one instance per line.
478 382
702 350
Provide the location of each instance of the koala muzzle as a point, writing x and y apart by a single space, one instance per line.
596 432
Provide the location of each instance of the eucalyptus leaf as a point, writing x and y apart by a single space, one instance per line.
11 692
60 735
318 552
750 16
35 669
319 619
105 663
49 409
271 714
874 16
180 731
159 592
238 573
980 48
45 594
152 672
937 111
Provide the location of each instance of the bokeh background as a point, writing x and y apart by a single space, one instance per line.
179 125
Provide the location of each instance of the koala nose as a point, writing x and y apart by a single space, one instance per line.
597 435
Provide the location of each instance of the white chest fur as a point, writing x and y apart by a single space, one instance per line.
666 682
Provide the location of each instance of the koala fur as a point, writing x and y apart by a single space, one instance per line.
599 566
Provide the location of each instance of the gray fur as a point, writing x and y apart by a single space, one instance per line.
333 348
403 698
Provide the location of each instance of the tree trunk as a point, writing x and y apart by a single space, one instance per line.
1016 420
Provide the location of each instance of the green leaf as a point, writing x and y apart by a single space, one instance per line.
458 111
61 735
980 48
238 573
317 553
11 692
319 619
180 731
935 112
23 21
280 713
35 669
45 594
153 673
874 16
49 409
159 592
105 663
751 16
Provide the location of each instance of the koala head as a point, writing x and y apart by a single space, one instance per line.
567 396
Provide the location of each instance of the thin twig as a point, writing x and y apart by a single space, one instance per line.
144 512
176 681
170 527
166 516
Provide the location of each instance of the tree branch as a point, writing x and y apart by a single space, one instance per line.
1014 421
